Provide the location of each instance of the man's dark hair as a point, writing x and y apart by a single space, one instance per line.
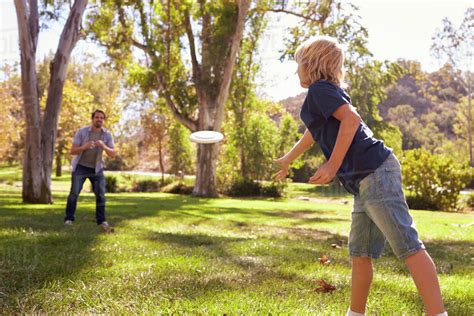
99 111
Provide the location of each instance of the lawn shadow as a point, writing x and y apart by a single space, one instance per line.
248 270
36 248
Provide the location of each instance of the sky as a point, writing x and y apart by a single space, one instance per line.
397 29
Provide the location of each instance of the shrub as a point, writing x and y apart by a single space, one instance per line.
146 186
111 184
433 180
178 187
274 189
420 202
244 187
248 187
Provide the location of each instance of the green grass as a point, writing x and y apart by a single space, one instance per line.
183 255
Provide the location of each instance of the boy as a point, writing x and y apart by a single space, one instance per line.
367 169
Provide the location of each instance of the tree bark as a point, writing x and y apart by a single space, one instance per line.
211 114
160 157
35 189
205 184
59 165
40 137
67 42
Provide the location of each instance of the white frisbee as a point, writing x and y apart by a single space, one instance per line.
206 137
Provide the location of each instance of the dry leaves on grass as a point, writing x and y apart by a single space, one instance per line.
324 287
324 260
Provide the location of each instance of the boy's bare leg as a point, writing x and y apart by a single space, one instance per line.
423 272
361 280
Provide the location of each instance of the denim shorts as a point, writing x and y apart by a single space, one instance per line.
381 213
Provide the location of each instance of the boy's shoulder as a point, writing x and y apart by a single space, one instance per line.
323 84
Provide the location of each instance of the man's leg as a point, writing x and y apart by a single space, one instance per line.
98 185
77 181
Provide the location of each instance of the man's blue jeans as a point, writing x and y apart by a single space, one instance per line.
79 176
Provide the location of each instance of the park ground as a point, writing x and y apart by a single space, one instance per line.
175 254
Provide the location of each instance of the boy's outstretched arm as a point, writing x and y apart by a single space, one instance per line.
300 147
350 121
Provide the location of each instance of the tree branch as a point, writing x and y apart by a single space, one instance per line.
243 8
306 17
192 48
139 45
33 23
182 118
205 38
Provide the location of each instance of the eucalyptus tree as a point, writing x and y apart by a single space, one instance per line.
41 128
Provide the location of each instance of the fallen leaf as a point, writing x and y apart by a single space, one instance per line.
324 260
324 287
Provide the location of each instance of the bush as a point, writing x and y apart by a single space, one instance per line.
111 184
420 202
470 200
470 185
114 164
178 187
244 187
146 186
433 180
248 187
274 189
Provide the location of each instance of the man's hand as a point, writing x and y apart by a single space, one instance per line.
88 145
324 174
100 144
284 165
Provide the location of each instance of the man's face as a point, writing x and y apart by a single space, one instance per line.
98 120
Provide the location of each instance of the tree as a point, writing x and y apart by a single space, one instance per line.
461 121
192 73
289 135
155 127
86 89
179 148
12 123
243 101
196 96
366 78
40 133
75 112
403 117
457 47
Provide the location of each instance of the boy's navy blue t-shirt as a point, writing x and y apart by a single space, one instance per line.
365 153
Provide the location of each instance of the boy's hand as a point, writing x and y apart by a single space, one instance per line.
284 165
324 174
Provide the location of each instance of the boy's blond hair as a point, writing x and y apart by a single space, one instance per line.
323 58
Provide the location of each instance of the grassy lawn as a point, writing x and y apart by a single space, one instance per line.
183 255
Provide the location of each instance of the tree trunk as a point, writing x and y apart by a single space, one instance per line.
68 40
205 184
59 165
469 119
160 157
211 113
40 138
35 189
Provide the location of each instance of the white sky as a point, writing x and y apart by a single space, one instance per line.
397 29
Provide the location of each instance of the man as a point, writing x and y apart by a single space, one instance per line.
87 147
